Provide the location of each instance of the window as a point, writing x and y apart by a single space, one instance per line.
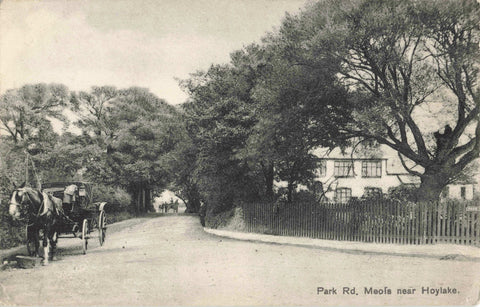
372 192
371 168
343 169
343 195
321 168
463 192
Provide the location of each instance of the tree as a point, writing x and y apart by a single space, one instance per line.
182 161
294 111
397 59
93 108
71 156
126 139
143 130
28 137
26 112
257 119
218 120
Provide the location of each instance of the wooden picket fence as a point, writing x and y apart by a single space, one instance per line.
373 221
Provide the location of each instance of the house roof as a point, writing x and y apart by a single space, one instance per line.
383 152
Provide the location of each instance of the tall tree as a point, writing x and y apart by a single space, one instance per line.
24 112
183 161
93 108
219 120
294 111
27 133
397 59
144 134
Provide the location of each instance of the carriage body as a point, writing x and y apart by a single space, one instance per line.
75 211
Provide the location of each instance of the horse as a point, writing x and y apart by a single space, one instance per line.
41 211
173 206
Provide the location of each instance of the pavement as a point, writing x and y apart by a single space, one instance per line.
437 251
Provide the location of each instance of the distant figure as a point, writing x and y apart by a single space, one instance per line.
202 213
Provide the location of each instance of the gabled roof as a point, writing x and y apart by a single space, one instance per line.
383 152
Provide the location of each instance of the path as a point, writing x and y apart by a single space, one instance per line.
171 261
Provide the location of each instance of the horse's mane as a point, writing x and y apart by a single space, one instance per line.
36 193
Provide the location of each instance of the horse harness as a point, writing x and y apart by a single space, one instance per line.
42 209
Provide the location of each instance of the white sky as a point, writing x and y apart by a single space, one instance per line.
81 43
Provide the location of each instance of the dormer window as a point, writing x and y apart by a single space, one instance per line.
321 170
343 168
371 169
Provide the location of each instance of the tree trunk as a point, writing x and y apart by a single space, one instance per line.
268 174
148 200
290 192
431 186
193 205
139 200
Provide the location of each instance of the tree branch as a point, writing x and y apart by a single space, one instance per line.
409 170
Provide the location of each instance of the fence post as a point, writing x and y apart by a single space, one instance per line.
467 219
424 223
477 228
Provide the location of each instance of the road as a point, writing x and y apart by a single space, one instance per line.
170 261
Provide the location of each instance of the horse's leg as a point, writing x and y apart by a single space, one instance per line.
36 238
48 243
50 234
46 247
54 240
53 245
32 251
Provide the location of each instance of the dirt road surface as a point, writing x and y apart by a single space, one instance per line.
170 261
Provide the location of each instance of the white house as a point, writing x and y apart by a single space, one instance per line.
346 175
464 190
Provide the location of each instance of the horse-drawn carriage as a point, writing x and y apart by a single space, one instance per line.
80 215
59 209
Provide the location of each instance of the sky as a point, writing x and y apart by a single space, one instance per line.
145 43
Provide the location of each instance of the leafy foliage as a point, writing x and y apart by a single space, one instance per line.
131 132
397 59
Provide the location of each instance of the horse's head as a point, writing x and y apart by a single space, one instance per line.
23 203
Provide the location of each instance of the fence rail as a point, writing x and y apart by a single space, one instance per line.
380 222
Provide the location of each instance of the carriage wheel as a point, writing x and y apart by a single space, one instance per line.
102 227
84 236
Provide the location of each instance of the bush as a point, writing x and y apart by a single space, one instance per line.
403 193
117 198
11 233
214 219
